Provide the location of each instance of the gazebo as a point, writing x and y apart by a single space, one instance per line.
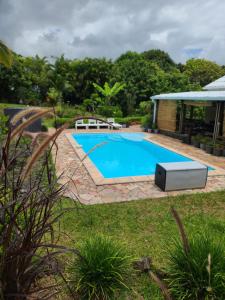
171 110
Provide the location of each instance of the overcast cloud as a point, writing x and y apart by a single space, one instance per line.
97 28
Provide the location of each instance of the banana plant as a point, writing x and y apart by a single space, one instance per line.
6 56
109 92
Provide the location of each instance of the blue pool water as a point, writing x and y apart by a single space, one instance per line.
125 154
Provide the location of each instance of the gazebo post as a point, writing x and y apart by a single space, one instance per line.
154 111
181 122
217 123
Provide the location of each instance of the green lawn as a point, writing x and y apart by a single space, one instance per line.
6 105
146 227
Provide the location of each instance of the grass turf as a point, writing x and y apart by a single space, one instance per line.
146 227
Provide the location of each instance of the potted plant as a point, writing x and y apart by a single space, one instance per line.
185 139
223 151
209 147
218 149
195 140
155 129
203 142
146 123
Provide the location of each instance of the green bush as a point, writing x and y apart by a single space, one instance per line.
61 121
44 127
110 111
146 121
3 125
101 271
129 120
198 274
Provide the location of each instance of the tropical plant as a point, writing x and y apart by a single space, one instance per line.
54 96
6 56
108 92
29 196
101 270
145 107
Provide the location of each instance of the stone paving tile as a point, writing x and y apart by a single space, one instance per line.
79 182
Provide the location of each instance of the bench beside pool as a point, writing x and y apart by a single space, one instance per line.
92 123
181 175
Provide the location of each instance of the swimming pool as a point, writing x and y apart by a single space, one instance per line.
125 154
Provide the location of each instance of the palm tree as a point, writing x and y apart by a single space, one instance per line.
6 56
109 92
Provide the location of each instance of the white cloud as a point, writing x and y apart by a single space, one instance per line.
98 28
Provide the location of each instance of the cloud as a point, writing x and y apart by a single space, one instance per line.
96 28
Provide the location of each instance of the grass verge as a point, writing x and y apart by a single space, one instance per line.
147 228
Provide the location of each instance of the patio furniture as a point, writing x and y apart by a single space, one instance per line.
80 124
101 124
92 123
115 125
181 175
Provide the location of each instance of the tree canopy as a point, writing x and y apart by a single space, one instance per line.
202 71
36 80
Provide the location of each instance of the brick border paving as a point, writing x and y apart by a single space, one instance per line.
79 183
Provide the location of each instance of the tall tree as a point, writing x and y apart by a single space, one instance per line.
87 71
202 71
161 58
141 79
5 55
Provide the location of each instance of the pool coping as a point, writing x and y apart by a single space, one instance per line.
99 179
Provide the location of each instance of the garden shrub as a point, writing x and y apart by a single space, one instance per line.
197 274
102 269
61 121
129 120
146 121
110 111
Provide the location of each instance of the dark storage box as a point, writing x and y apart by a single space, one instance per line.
181 175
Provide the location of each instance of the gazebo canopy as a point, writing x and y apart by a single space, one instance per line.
217 85
193 96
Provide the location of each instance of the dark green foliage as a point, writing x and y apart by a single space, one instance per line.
141 79
202 71
161 58
129 120
102 269
198 274
36 81
147 122
110 111
86 72
3 126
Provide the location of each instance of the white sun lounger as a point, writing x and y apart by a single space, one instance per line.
80 124
92 123
115 125
101 124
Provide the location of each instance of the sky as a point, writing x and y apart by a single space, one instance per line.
104 28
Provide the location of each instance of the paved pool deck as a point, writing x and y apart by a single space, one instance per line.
79 184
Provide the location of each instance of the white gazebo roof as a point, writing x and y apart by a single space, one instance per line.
217 85
193 96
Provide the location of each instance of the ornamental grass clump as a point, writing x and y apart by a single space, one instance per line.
102 269
30 209
196 267
198 274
